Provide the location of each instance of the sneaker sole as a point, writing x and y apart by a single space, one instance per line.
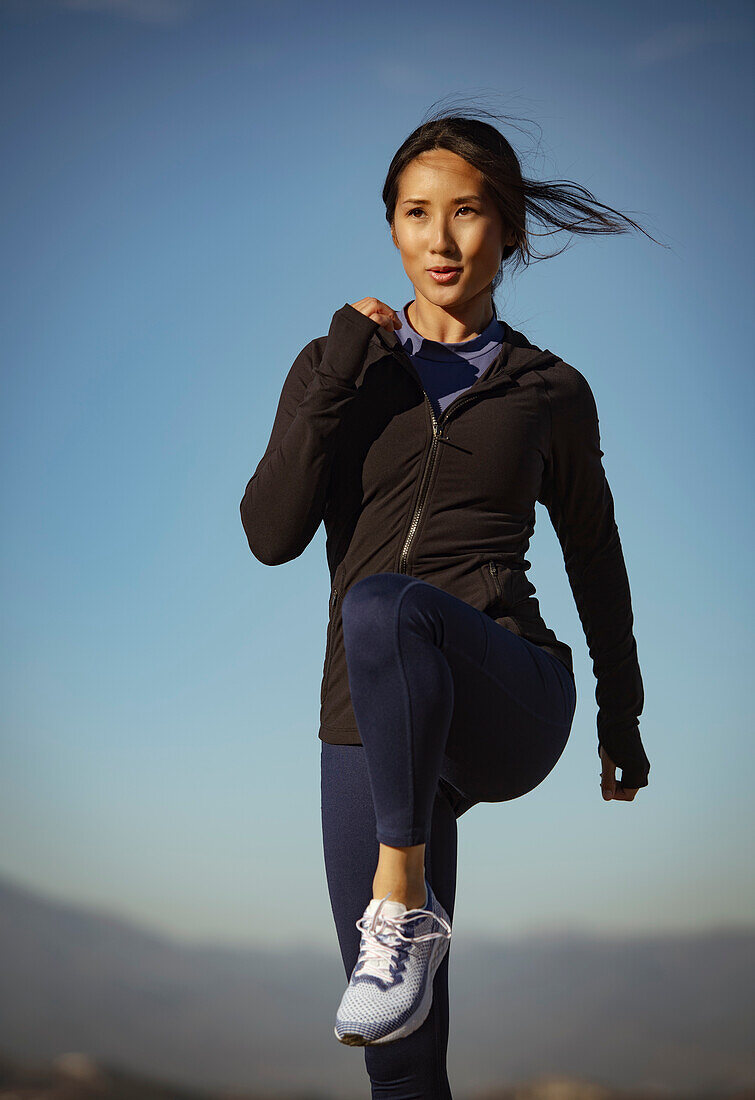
417 1019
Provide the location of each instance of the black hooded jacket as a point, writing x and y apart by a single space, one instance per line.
357 444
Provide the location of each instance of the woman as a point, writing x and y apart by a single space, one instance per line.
423 438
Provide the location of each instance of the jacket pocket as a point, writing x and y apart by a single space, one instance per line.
334 608
521 593
507 590
497 577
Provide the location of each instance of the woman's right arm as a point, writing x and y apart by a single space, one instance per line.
284 501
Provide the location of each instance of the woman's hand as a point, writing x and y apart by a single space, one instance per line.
610 788
378 311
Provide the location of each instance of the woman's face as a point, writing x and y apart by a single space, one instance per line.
455 225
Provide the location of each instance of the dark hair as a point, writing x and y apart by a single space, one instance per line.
556 203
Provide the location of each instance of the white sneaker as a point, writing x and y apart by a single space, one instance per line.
391 988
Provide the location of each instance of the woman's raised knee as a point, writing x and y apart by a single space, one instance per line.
372 600
370 607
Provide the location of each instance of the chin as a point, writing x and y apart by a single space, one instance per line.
446 293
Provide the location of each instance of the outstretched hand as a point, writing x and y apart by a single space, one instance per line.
609 785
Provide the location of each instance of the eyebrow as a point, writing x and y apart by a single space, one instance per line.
462 198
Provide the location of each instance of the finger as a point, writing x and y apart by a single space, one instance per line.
607 776
608 781
391 315
392 320
608 786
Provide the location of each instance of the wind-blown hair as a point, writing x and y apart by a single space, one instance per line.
556 204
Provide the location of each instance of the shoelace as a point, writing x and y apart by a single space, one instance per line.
379 955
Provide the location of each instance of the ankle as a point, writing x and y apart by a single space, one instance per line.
412 894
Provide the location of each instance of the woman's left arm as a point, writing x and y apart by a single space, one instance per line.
578 497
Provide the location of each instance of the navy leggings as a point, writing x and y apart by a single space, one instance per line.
453 709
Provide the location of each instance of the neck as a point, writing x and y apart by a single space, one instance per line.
452 325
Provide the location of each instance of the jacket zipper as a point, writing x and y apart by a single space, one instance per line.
331 626
438 426
334 591
493 567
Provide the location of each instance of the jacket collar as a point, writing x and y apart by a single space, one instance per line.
516 356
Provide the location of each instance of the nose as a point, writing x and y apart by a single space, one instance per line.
444 241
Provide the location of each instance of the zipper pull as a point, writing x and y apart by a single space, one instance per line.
440 438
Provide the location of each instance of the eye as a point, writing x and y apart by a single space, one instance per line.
419 209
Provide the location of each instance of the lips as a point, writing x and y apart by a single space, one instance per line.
447 275
444 269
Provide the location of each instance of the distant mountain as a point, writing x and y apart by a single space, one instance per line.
77 1077
672 1014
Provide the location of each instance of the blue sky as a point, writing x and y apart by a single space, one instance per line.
189 192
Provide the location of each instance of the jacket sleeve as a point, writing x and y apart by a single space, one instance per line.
580 504
284 501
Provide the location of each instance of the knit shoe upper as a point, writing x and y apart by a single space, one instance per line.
391 987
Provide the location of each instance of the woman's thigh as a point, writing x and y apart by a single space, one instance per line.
513 702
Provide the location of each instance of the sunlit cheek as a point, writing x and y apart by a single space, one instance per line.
485 253
412 249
